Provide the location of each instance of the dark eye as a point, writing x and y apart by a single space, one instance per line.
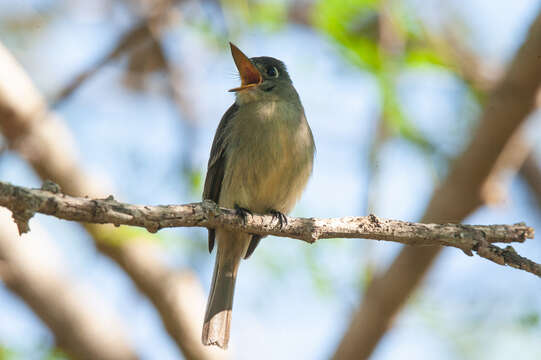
272 72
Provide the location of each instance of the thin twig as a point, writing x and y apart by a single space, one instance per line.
132 38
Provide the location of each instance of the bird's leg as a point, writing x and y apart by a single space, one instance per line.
242 212
281 217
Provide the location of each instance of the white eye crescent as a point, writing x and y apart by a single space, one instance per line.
272 71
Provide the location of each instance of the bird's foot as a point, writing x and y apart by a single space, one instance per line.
242 212
281 217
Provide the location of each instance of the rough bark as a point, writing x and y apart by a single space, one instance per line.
458 196
24 202
40 137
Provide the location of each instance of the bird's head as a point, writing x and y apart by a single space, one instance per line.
261 77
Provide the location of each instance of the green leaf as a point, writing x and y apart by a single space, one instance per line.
320 279
396 119
57 354
270 13
123 234
529 320
7 354
424 56
353 24
195 178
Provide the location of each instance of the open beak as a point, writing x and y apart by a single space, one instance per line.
249 75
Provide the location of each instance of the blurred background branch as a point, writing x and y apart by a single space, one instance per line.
458 196
81 330
39 136
531 172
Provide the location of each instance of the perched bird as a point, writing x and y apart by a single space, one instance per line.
260 161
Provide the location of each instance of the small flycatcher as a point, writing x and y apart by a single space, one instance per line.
260 161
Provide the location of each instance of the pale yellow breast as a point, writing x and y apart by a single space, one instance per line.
270 161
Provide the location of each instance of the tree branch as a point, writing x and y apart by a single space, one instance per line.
24 202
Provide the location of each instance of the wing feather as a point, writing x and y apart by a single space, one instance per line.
216 165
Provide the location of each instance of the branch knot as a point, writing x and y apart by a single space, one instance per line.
51 186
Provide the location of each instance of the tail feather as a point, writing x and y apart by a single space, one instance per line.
231 249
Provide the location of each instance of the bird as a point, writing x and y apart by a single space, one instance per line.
260 162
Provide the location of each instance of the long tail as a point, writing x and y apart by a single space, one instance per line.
231 249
